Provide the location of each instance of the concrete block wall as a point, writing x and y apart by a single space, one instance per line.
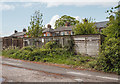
87 44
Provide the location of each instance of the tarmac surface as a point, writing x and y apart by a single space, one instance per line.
28 71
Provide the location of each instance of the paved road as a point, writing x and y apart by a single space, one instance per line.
15 74
77 75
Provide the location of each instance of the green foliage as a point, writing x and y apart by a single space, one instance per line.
92 63
70 45
29 48
113 29
49 54
35 28
87 27
52 44
109 59
9 51
62 21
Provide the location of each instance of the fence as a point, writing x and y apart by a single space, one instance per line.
9 41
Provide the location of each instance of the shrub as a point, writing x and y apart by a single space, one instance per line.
52 44
9 51
29 48
48 54
92 63
109 60
21 54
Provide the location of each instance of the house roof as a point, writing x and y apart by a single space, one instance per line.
18 34
48 30
64 28
102 24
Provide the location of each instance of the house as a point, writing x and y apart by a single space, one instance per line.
64 30
19 34
67 29
15 39
101 25
48 31
60 31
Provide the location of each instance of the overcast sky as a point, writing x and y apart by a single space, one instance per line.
16 14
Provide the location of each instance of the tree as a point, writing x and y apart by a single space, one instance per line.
109 59
62 21
113 29
35 28
87 27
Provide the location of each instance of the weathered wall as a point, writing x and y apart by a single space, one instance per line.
84 44
87 44
9 42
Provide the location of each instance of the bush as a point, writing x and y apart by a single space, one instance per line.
53 55
29 48
21 54
9 51
109 60
92 64
52 44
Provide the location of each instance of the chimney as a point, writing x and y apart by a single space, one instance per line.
67 24
15 31
86 20
49 26
24 30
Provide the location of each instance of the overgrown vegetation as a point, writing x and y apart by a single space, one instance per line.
109 59
51 52
86 27
35 28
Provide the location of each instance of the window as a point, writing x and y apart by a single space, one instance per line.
48 34
62 33
72 33
53 34
44 34
67 33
